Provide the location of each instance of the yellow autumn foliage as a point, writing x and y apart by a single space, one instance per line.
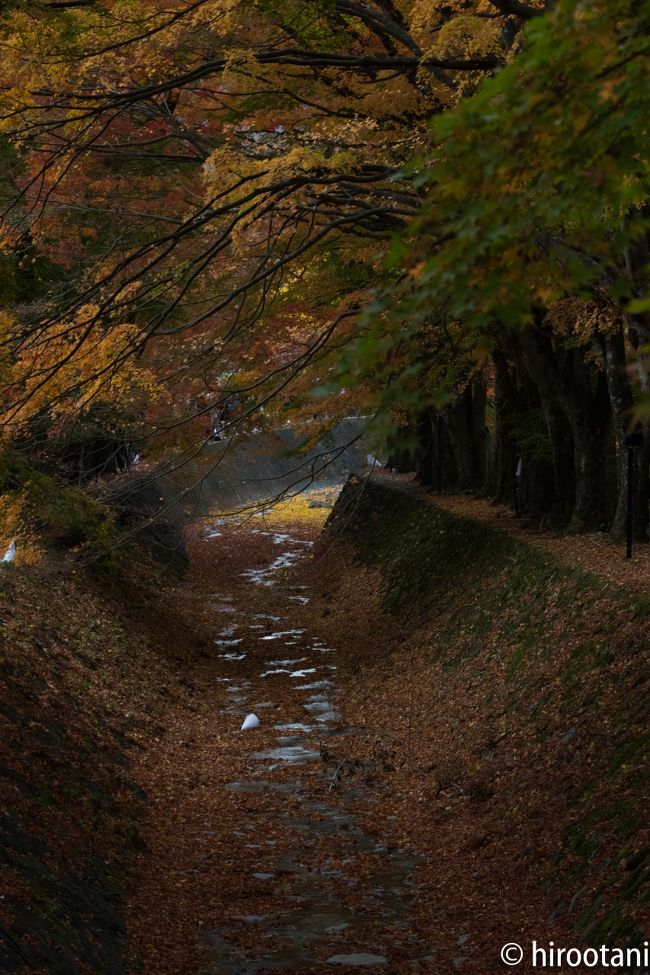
72 367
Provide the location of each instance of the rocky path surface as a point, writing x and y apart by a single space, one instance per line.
260 857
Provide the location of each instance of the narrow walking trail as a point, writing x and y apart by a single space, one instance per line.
258 854
596 552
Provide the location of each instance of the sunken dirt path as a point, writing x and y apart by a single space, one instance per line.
267 850
353 831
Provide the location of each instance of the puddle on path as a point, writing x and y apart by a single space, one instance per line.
336 899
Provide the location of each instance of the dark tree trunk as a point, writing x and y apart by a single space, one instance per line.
564 485
506 404
642 494
425 459
535 482
466 422
586 413
589 513
436 464
545 486
568 389
532 356
612 352
637 263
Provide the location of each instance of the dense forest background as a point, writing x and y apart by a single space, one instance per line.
227 215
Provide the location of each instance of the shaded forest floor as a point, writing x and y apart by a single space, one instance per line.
466 710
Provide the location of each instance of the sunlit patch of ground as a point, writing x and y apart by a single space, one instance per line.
307 509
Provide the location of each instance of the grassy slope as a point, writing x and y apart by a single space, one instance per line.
83 685
533 678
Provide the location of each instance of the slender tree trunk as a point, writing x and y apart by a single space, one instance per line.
589 506
506 404
426 467
466 422
564 485
546 489
637 263
612 352
587 413
568 388
643 478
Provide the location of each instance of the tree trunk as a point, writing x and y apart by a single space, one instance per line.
589 506
643 479
436 464
568 389
564 484
506 404
612 352
586 414
466 423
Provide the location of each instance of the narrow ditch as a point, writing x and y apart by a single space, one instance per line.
338 896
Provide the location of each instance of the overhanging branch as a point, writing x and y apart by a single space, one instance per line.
517 8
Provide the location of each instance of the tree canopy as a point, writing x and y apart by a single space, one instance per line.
433 213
